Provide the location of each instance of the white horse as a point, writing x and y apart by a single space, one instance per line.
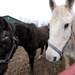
60 27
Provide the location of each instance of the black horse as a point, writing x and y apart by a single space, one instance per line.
32 38
24 34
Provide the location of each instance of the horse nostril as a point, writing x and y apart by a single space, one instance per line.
61 58
54 59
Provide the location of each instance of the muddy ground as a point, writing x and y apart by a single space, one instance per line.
19 65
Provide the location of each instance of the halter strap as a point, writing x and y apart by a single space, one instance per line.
10 54
56 49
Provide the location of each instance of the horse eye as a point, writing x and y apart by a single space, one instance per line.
66 26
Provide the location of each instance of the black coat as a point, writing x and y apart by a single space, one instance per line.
32 38
28 35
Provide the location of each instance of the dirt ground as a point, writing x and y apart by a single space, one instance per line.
43 67
19 65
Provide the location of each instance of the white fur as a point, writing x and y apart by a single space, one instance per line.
57 35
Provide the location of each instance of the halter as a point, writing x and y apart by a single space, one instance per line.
58 50
55 49
10 54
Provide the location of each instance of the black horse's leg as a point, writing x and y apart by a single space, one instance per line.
31 57
44 47
3 68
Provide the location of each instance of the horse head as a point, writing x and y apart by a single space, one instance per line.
60 27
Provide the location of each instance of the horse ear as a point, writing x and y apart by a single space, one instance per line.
52 4
4 24
69 3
